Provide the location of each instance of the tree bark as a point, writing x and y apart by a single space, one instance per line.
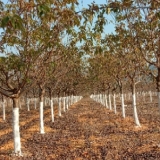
122 103
110 105
64 104
106 101
16 130
52 110
136 119
114 102
42 92
51 104
59 107
67 102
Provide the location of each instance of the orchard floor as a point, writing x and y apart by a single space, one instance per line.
87 131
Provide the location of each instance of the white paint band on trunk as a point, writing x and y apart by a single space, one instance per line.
52 110
41 119
16 132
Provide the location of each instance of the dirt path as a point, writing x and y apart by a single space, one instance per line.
89 131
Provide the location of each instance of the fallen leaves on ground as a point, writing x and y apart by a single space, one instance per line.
87 131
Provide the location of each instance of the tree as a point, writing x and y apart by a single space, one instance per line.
29 31
141 19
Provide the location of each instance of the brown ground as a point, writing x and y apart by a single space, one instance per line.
88 131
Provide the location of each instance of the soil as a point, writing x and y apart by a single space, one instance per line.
87 131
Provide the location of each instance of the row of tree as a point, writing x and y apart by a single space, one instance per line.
51 46
37 59
131 55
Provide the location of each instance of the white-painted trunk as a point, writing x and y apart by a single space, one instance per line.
70 100
16 132
59 107
77 99
123 106
114 102
28 107
110 105
67 103
52 110
41 119
106 104
4 110
101 99
135 110
64 104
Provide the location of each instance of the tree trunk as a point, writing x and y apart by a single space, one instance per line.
67 102
99 98
42 92
122 103
59 107
110 105
114 102
16 132
103 100
52 110
64 104
106 101
134 106
51 104
123 106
